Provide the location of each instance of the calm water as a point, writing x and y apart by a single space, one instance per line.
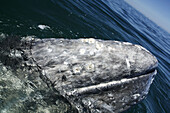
104 19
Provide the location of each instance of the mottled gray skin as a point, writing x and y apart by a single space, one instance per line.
93 75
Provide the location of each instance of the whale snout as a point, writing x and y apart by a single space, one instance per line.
140 61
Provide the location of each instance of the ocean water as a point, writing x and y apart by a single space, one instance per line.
102 19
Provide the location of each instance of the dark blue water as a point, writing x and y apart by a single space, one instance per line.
103 19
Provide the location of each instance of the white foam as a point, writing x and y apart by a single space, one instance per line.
43 27
2 35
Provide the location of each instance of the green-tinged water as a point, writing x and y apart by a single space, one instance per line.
20 92
23 91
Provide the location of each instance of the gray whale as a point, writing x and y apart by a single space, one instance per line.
97 76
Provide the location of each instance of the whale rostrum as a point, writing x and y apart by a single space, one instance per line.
95 76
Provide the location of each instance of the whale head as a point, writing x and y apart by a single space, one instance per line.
94 75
